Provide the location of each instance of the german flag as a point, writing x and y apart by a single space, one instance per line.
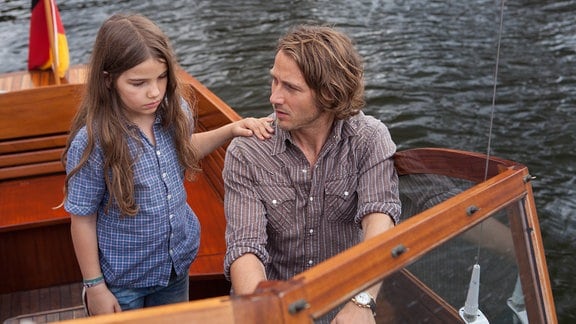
48 47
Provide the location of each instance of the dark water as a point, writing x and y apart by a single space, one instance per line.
429 75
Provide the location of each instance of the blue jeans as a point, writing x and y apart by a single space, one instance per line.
133 298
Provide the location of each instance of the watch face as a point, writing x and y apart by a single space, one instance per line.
363 298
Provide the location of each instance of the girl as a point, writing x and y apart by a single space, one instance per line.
131 146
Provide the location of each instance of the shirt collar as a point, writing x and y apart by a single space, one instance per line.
342 128
157 120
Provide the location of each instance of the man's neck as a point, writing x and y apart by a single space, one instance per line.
311 139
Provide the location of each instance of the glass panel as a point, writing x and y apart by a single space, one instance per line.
433 288
419 192
447 269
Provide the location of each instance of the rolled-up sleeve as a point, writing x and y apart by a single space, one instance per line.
245 213
377 176
86 188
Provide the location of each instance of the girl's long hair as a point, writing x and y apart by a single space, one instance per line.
123 42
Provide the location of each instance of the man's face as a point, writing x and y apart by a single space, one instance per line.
293 101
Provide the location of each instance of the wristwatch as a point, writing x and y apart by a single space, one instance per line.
365 300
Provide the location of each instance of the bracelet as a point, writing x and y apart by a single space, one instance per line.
93 282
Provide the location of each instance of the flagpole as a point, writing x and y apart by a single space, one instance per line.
52 30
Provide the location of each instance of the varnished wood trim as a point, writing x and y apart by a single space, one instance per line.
34 143
453 163
23 158
41 111
31 170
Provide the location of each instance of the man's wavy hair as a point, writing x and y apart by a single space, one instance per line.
331 66
122 42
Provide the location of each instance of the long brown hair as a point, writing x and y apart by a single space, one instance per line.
331 66
123 42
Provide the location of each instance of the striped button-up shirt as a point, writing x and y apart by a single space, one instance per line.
292 215
138 251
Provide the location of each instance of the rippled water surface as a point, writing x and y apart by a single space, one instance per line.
429 76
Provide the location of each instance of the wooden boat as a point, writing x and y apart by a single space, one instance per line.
455 204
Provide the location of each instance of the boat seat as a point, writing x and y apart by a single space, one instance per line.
33 129
34 125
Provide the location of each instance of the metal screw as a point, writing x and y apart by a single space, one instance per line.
398 250
298 306
471 210
529 178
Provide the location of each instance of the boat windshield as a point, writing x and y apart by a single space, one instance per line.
435 284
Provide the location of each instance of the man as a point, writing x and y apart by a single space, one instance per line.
323 183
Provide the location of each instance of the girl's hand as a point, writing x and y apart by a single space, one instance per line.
261 127
101 301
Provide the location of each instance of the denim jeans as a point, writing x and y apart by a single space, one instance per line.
133 298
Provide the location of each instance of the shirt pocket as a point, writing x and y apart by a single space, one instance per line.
280 205
341 199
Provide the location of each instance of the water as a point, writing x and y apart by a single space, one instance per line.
429 77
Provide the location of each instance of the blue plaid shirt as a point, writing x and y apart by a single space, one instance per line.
138 251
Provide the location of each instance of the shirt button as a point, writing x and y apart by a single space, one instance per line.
171 252
164 175
171 216
311 231
274 202
345 193
311 198
304 171
157 152
310 262
169 197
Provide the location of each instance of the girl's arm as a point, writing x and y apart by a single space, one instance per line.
83 230
206 142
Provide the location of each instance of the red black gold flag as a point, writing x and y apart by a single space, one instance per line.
47 39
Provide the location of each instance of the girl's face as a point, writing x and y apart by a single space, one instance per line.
142 89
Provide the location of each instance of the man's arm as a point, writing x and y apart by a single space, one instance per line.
375 224
245 222
245 273
378 190
372 225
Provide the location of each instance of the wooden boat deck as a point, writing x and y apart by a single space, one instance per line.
15 81
43 305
